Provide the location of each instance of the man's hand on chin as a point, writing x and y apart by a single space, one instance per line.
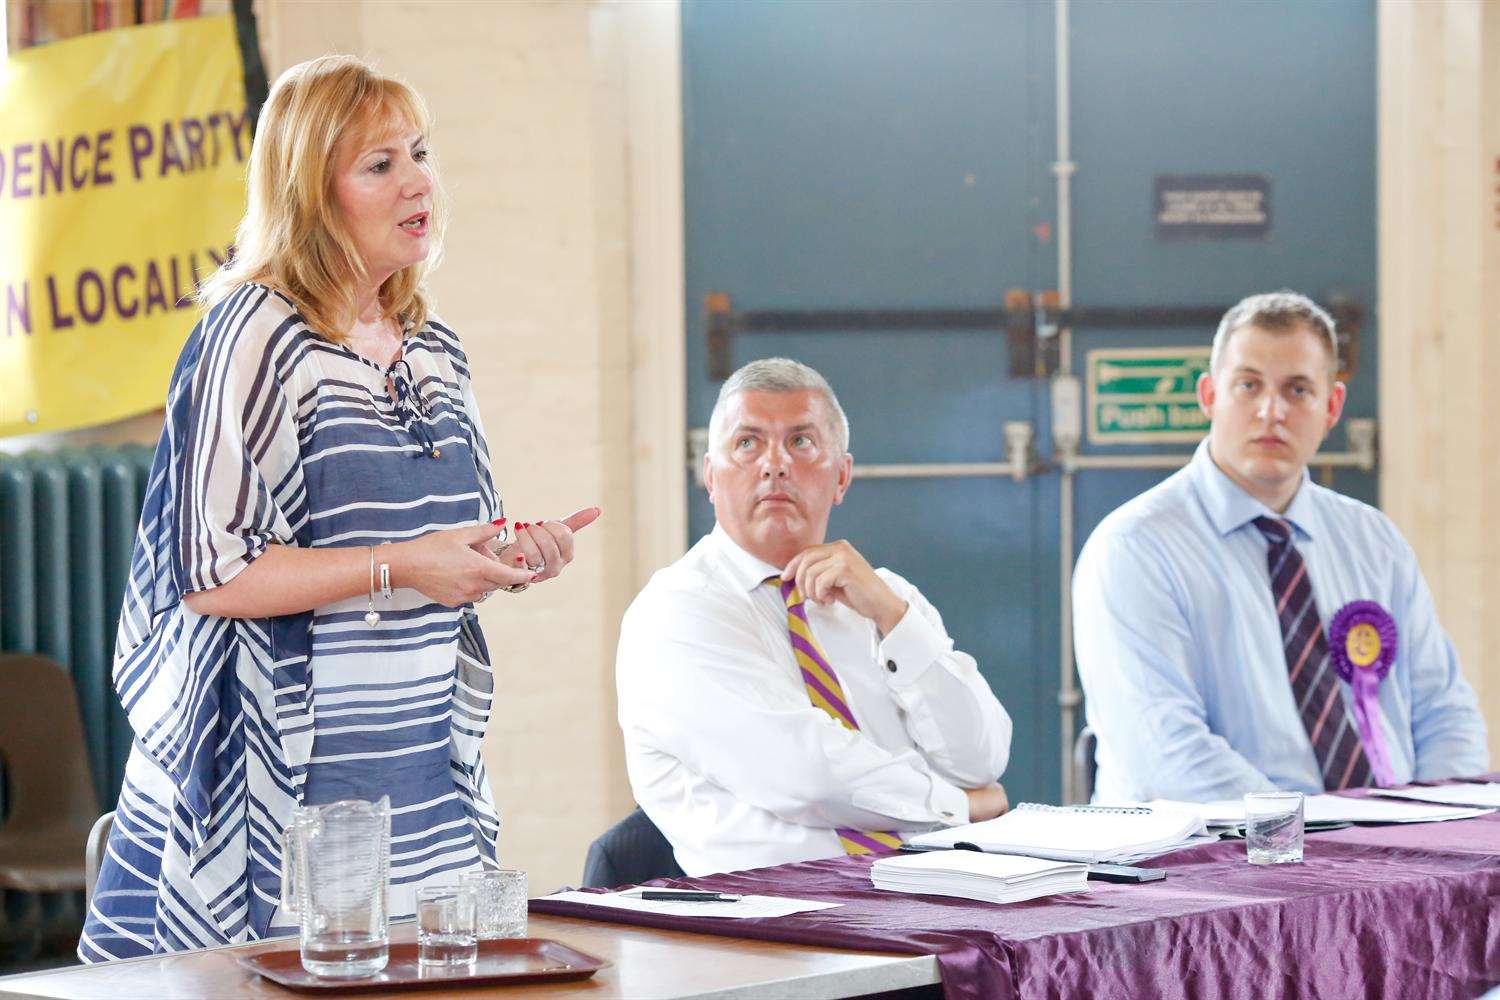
835 571
987 802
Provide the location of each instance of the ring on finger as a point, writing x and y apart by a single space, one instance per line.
540 567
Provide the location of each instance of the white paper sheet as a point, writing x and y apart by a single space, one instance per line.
1454 795
1332 809
747 907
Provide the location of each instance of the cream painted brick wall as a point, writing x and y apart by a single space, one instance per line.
529 103
1439 304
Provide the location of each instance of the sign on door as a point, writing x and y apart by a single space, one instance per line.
1140 395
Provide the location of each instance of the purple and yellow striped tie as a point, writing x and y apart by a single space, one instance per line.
827 693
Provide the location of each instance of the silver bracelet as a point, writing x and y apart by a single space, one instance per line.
372 617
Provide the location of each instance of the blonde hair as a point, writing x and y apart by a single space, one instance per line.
292 236
1280 312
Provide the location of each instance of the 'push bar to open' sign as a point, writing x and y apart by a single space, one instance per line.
1138 395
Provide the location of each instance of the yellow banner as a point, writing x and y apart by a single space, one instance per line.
122 177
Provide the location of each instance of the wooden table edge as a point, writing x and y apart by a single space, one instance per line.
891 971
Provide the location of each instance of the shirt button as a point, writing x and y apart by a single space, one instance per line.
890 665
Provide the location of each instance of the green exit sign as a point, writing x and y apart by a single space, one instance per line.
1137 395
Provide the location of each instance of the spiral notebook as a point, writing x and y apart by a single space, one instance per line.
1092 834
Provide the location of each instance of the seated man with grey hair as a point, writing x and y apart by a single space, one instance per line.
1240 628
782 700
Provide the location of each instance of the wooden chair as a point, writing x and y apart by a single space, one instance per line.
50 792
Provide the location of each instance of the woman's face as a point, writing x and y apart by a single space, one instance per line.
383 187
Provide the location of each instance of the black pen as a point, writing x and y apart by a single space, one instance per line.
689 896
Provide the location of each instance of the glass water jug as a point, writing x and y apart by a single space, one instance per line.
335 863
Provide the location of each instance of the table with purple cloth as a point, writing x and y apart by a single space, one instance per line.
1391 911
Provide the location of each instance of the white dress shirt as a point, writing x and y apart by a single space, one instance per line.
1182 658
734 763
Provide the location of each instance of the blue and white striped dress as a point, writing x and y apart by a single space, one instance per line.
275 436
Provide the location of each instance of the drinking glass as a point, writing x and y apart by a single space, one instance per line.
501 896
446 932
1273 827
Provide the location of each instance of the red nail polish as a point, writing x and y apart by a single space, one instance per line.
497 522
534 578
521 525
520 560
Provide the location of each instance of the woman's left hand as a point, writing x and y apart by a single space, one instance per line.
546 547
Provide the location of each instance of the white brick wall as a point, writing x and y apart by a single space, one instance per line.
530 102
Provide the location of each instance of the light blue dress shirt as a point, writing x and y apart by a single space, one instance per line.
1180 650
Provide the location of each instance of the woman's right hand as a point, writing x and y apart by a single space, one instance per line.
445 567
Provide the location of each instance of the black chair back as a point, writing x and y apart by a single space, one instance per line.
629 853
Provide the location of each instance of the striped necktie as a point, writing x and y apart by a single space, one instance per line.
1335 740
827 693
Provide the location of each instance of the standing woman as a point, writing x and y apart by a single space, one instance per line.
298 625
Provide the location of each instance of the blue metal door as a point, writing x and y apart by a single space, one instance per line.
1281 89
869 155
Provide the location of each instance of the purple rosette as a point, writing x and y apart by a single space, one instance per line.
1362 643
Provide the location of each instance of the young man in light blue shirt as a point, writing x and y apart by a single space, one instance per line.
1239 627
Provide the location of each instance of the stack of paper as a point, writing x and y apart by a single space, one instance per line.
744 908
1119 834
1230 813
992 878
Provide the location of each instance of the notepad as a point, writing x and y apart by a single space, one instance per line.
990 878
1119 834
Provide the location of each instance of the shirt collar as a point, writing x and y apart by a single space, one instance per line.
1230 508
749 571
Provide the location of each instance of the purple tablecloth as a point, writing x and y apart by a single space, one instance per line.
1403 911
